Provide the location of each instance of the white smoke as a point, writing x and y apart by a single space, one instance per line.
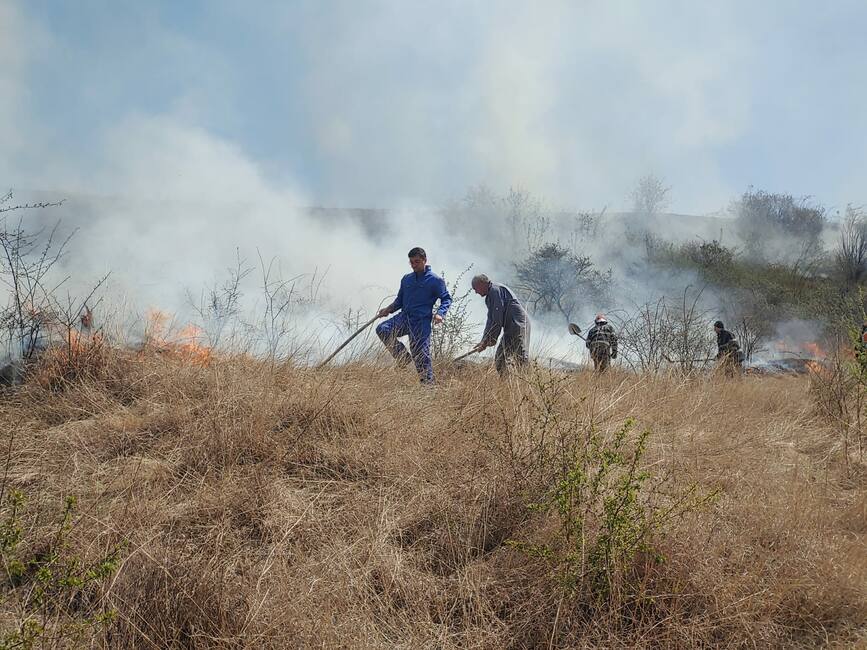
166 142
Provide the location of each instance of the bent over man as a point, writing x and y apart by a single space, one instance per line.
602 343
415 300
507 315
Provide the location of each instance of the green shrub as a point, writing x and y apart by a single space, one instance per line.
609 510
53 588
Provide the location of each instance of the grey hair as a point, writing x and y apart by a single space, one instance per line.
481 278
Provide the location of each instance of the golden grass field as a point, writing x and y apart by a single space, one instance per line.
261 507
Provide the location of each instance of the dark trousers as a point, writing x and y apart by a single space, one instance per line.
601 360
515 345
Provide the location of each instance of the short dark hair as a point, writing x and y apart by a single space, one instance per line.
719 324
418 251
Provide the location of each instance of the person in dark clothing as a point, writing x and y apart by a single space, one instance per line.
418 293
507 315
861 347
728 350
602 343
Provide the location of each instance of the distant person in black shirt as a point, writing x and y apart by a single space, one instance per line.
728 350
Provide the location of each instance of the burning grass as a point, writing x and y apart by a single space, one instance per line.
260 507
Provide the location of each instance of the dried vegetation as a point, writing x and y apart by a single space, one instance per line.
258 506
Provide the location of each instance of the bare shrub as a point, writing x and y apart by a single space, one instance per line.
528 221
28 260
650 196
457 331
664 335
851 255
555 280
40 318
771 226
218 306
751 333
281 301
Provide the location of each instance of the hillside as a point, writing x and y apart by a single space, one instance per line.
238 505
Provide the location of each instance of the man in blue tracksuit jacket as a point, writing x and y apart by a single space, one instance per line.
415 300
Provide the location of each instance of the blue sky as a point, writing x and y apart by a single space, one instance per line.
390 103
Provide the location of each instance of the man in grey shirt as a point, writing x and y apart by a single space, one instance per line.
506 314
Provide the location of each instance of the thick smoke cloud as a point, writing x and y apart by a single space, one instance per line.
184 132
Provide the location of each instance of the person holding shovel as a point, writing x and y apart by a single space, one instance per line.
506 314
418 293
602 343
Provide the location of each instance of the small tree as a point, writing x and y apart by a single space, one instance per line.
553 279
851 255
775 225
650 196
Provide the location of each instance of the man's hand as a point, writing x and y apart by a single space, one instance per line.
382 313
481 346
437 319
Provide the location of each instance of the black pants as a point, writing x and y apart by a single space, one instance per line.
514 348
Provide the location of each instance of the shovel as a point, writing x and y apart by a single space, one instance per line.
348 341
574 329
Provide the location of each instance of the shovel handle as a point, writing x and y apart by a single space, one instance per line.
464 356
347 341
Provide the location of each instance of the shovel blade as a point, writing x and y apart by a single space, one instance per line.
574 329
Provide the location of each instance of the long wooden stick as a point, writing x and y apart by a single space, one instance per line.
348 341
464 356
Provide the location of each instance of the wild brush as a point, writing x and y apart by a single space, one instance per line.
245 504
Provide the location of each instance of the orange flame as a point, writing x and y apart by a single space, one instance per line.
810 349
814 350
185 344
815 367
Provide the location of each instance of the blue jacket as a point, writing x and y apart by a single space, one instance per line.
417 295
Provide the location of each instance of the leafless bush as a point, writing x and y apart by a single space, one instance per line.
644 337
527 219
219 305
27 262
650 196
664 334
851 255
773 226
457 331
751 333
554 279
39 315
585 229
282 299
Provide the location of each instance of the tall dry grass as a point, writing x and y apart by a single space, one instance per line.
350 507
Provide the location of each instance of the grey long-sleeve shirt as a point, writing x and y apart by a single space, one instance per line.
505 313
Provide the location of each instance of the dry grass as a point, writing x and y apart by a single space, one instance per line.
352 508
